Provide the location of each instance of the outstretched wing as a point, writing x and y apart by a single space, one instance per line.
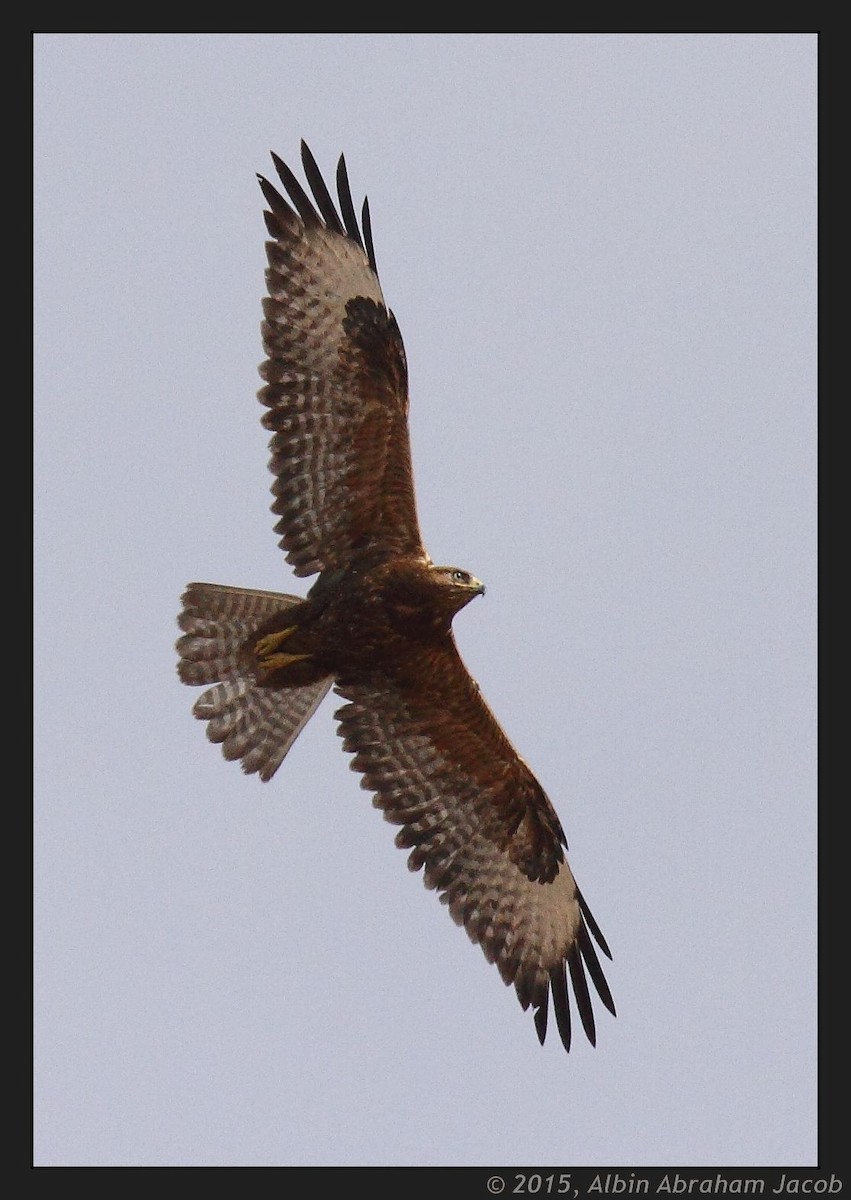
336 382
475 817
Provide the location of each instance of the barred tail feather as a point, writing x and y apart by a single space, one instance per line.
253 724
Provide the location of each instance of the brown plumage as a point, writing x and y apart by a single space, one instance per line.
376 625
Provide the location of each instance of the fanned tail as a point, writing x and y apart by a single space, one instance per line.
254 724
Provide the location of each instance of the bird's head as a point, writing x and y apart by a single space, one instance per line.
456 587
422 597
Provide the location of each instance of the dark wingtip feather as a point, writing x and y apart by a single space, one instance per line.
297 194
280 209
541 1017
592 925
273 225
561 1003
320 192
580 991
367 233
346 206
586 947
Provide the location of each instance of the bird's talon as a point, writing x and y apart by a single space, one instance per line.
272 641
274 662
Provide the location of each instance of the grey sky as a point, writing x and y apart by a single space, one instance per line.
601 253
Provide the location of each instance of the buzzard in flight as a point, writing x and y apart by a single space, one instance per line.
377 622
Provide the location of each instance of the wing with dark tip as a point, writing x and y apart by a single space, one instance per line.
336 382
479 824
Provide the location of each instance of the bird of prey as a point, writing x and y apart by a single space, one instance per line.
377 623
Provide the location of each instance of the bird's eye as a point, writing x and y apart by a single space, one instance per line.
460 577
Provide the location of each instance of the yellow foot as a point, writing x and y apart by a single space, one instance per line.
272 641
274 662
266 646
